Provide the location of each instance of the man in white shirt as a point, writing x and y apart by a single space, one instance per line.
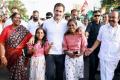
105 19
55 29
109 37
74 15
34 23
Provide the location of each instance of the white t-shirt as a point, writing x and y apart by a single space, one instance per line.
55 33
81 26
110 42
32 26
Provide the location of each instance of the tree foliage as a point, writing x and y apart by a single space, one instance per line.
20 6
67 14
110 3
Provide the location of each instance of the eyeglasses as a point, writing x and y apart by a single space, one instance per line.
96 15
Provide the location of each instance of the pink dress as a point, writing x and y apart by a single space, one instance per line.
75 42
74 67
37 65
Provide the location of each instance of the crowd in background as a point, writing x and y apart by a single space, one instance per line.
60 47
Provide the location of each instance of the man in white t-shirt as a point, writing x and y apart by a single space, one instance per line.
34 23
109 37
55 29
74 15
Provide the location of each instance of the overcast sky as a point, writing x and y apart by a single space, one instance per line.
44 6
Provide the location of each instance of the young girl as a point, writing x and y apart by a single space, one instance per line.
41 46
74 45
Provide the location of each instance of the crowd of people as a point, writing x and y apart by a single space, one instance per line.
60 47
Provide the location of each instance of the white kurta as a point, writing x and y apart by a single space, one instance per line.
109 51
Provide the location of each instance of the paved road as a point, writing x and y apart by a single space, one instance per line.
4 74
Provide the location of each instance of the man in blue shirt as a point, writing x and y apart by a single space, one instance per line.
92 32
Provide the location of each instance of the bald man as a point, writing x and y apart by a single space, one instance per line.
109 55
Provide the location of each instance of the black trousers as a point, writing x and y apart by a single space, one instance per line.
86 68
117 72
55 67
93 64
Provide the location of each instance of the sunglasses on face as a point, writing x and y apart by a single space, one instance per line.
96 15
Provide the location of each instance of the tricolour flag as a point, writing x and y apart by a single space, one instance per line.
84 8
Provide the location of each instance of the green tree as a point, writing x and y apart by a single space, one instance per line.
110 3
20 6
67 14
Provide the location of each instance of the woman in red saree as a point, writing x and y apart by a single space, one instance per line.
12 41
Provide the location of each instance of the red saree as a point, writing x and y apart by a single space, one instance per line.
14 41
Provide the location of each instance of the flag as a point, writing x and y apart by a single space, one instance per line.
84 8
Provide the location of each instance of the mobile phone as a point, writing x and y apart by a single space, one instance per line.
76 52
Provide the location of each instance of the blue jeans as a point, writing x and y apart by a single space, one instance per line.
54 67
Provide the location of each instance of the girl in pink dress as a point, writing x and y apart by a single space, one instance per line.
40 47
74 45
